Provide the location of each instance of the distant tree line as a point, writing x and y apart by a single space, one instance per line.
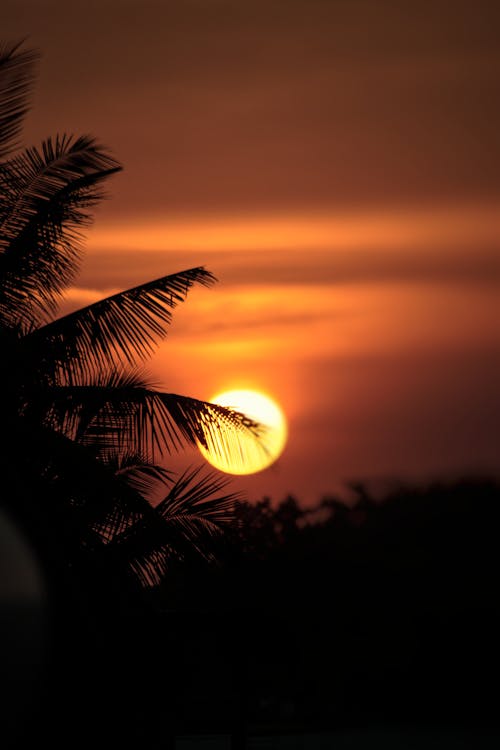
383 611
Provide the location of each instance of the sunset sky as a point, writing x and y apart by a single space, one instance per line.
336 166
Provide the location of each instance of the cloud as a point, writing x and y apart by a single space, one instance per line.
458 243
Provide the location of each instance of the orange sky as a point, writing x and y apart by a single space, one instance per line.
335 164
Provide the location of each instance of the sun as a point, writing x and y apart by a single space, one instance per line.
250 457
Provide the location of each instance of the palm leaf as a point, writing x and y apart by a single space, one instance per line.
151 569
140 473
17 70
45 200
123 416
81 494
191 515
194 505
126 324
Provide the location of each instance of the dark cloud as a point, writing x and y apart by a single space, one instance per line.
477 265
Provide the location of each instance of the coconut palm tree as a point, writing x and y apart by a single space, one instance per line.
85 432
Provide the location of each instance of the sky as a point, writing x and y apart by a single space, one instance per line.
335 164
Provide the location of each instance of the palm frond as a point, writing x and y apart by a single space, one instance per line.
122 416
45 200
92 414
127 324
140 473
96 504
150 569
17 73
193 502
190 517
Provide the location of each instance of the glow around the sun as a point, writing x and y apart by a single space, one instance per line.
245 455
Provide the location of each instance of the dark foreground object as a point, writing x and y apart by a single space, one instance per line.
374 623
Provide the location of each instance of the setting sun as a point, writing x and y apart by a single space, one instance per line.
250 457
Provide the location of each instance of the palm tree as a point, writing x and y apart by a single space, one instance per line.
85 432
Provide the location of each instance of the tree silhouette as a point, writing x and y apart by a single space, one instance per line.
85 439
85 431
373 616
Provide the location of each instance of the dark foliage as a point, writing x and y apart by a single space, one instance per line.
384 613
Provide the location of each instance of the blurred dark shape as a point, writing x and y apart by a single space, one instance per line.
23 628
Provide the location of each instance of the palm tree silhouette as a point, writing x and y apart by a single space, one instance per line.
85 432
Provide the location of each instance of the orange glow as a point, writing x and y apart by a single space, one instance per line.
312 230
370 318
